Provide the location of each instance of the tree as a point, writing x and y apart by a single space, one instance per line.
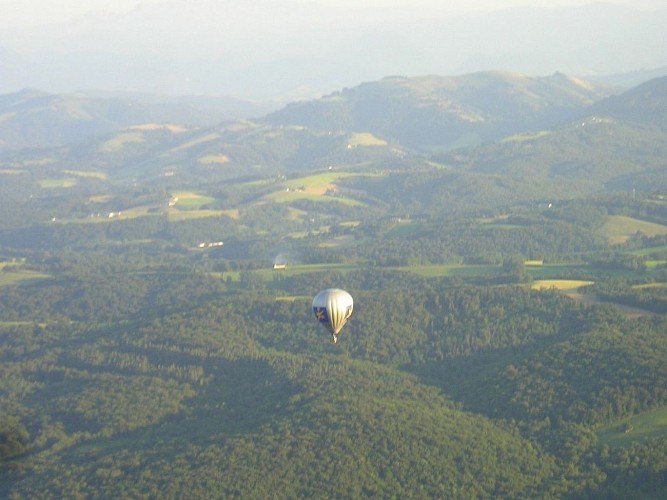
515 268
13 437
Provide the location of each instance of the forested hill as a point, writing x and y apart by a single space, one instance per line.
618 143
593 154
446 112
646 103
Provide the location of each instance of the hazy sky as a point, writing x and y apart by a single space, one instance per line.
26 13
268 48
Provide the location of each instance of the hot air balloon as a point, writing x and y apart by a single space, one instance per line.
332 308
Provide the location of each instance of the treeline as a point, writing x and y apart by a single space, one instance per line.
100 288
633 471
649 295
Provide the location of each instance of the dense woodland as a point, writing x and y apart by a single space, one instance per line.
148 348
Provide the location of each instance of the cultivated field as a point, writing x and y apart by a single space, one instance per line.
11 273
191 201
118 142
527 137
57 183
87 174
365 139
320 187
562 285
179 215
321 182
619 228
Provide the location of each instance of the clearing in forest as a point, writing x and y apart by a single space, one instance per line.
647 425
619 228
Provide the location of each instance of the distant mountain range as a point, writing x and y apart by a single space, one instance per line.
31 118
445 111
646 103
287 48
430 113
481 139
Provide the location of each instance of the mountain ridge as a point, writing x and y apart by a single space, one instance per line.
644 103
447 112
478 140
33 118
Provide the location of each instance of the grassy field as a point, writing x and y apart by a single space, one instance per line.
644 252
100 198
619 228
180 215
293 269
15 277
268 274
86 173
214 159
188 206
593 299
292 298
319 187
199 140
405 229
641 427
365 139
559 271
10 324
562 285
337 241
321 181
118 142
527 137
439 270
290 196
101 217
12 263
650 285
56 183
12 274
191 201
553 272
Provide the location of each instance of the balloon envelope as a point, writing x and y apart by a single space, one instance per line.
332 308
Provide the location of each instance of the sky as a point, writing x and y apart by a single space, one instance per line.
30 13
291 48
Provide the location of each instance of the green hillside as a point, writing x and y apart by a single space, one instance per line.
321 438
434 112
